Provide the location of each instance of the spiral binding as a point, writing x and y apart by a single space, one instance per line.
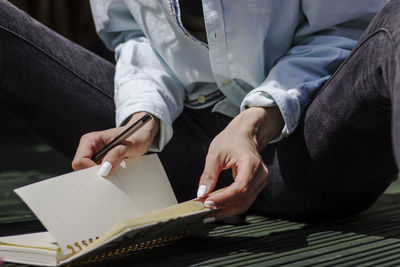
124 250
78 246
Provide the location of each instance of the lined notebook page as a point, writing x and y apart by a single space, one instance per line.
82 205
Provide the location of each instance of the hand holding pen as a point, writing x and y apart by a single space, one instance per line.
99 155
116 144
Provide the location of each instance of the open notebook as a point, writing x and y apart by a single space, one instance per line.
90 218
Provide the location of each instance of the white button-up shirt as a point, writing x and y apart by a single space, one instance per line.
259 53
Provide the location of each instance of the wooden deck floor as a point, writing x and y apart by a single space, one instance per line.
369 239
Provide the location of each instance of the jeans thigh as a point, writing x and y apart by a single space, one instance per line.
340 160
57 88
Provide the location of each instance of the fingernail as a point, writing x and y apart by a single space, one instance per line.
201 191
209 220
105 168
209 204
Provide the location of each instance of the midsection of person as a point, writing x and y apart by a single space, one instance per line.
266 57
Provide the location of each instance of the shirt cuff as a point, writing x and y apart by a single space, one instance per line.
141 95
271 96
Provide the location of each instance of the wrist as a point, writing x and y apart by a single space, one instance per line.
152 126
262 124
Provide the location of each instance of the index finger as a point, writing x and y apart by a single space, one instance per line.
83 154
248 183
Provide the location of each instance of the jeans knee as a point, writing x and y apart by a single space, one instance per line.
388 18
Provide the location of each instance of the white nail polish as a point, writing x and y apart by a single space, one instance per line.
209 220
105 168
209 204
201 191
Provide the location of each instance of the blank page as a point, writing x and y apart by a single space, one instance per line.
80 206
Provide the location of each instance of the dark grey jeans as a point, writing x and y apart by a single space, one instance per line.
338 161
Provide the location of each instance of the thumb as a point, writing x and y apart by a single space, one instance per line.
113 159
209 177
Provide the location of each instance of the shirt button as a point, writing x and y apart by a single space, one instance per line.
202 99
226 82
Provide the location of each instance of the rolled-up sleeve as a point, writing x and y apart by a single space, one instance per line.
328 32
143 81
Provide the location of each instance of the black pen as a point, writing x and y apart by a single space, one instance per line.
121 138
